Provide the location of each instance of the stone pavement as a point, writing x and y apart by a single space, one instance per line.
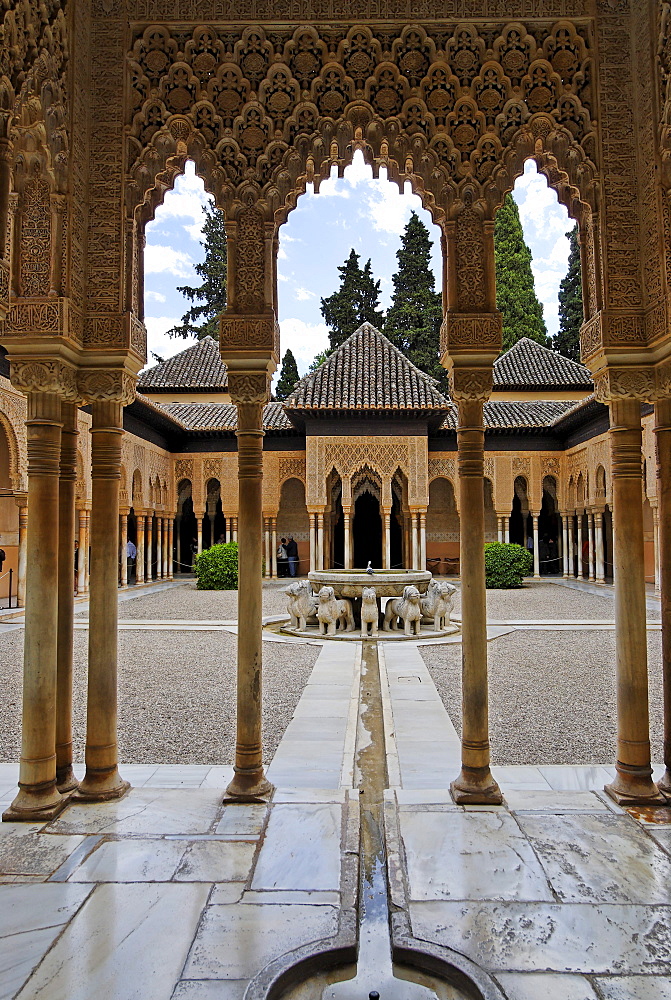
558 894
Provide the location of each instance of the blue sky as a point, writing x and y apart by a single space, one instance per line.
354 211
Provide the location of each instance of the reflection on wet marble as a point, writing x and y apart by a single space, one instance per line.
549 986
235 942
661 837
131 861
523 800
144 811
26 851
212 989
462 855
560 937
301 849
246 820
216 861
128 942
636 988
594 858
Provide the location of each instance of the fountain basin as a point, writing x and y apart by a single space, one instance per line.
388 583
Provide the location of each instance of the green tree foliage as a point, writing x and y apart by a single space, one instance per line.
357 301
506 565
416 313
567 341
515 289
217 567
209 298
288 376
318 360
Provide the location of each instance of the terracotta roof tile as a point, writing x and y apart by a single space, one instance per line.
223 416
529 365
512 415
199 367
366 372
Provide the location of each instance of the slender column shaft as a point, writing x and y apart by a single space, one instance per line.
499 522
422 541
347 516
663 435
200 533
506 522
655 528
140 558
570 547
249 779
566 553
414 540
600 567
171 557
580 563
387 538
235 529
313 547
65 778
102 780
123 549
149 576
87 551
475 782
320 541
633 781
273 548
21 581
590 528
38 796
537 555
267 541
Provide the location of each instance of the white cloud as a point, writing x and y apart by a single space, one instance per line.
159 342
282 254
154 297
302 294
305 340
166 260
388 209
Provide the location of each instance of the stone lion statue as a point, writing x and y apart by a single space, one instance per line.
437 604
408 608
302 603
369 611
331 611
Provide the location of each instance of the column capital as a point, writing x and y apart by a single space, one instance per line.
101 385
471 332
242 335
45 375
470 384
249 387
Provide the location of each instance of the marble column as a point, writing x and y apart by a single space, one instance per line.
85 551
171 543
422 540
600 565
21 575
580 562
633 782
663 436
139 559
571 530
313 546
273 552
149 575
320 541
199 521
566 550
123 545
590 529
102 780
166 521
386 531
655 529
499 521
249 781
506 524
266 524
235 529
537 555
347 555
65 777
38 797
475 783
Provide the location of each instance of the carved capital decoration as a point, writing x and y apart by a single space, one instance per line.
98 385
45 376
471 384
625 383
184 469
245 333
4 288
54 317
471 330
591 337
249 387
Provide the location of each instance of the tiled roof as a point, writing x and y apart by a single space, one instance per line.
515 415
223 416
199 367
529 365
366 372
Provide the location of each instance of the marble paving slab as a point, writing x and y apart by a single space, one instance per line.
546 985
635 988
144 811
560 937
301 848
26 851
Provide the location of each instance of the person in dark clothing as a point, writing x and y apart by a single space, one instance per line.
292 555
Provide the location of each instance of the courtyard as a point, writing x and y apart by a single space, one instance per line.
173 893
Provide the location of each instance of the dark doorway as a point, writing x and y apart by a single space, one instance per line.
548 533
367 529
396 536
188 533
517 527
339 539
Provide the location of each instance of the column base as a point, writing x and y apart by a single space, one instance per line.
664 784
66 780
476 786
101 786
633 786
249 786
35 806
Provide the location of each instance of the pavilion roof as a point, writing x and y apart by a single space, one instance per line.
199 368
530 366
223 416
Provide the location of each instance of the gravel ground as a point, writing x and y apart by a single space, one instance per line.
186 603
551 695
542 601
176 690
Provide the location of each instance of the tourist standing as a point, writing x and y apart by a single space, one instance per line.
282 561
292 555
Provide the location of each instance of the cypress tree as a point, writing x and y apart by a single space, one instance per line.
414 319
567 341
515 289
356 301
209 298
288 376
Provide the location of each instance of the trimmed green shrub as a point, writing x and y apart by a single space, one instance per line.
506 565
217 568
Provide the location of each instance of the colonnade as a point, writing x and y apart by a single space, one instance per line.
154 558
321 532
